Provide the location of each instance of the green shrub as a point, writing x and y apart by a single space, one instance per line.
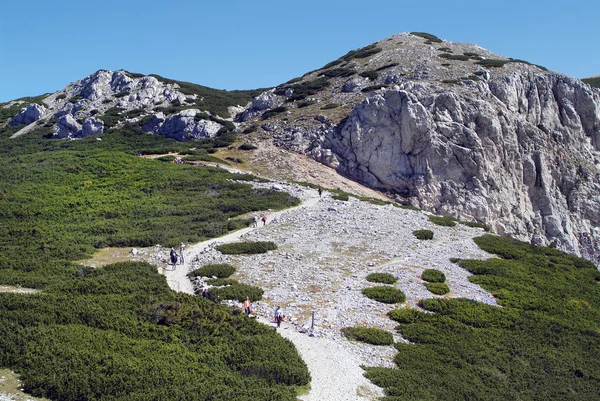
475 224
373 88
458 57
236 248
369 335
385 67
221 282
406 315
341 197
338 72
489 63
372 75
423 234
595 82
433 276
247 146
236 292
302 90
384 278
273 112
430 38
385 294
450 81
438 288
446 221
213 270
364 52
305 103
61 96
445 49
330 106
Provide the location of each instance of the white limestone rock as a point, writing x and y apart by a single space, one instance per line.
67 126
91 126
184 126
27 115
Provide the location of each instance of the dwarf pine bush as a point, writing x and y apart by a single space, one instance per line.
423 234
369 335
385 294
433 276
384 278
247 248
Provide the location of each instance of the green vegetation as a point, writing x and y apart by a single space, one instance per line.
372 75
475 224
458 57
446 221
433 276
246 248
384 278
119 332
341 197
423 234
247 146
237 292
220 282
304 89
338 72
373 88
385 294
438 288
595 82
330 106
405 315
214 100
385 67
542 344
273 112
445 49
213 270
369 335
430 38
489 63
305 103
363 52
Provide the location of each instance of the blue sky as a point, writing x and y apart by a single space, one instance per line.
45 45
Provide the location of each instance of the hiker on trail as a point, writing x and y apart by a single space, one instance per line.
278 316
181 252
247 306
320 192
254 221
264 219
173 256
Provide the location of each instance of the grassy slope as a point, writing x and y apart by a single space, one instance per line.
119 333
595 82
542 344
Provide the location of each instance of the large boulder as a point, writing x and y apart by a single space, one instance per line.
27 115
67 126
91 126
188 124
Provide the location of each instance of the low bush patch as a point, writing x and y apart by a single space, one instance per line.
384 278
423 234
385 294
369 335
438 288
372 75
476 225
433 276
341 197
236 292
213 270
247 146
405 315
237 248
446 221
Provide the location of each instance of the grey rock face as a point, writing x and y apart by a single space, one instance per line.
27 115
67 126
91 126
519 152
184 126
262 102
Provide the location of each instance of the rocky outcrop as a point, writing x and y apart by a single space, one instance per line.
262 102
67 126
520 152
27 115
183 126
91 126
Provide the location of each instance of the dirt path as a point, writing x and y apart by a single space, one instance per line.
336 373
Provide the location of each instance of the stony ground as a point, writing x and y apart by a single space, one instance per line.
326 248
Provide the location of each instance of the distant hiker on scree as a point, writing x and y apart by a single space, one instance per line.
254 221
264 219
247 306
181 252
278 316
320 192
173 256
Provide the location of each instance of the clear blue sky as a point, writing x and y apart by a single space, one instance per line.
45 45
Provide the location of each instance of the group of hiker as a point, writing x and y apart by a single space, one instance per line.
255 220
278 315
175 257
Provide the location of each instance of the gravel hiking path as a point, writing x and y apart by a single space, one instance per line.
335 372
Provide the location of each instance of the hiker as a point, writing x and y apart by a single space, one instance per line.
254 221
278 316
181 252
247 306
173 256
264 219
320 192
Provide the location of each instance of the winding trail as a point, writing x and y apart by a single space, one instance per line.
335 372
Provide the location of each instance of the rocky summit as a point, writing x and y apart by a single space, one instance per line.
447 127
